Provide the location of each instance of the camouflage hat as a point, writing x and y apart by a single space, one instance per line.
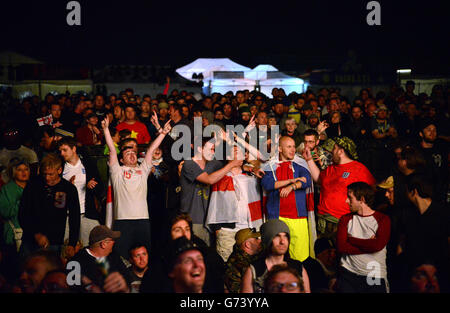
245 234
328 145
348 145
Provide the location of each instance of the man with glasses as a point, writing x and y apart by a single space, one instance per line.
100 266
283 279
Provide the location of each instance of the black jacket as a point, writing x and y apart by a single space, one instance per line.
92 195
91 269
43 209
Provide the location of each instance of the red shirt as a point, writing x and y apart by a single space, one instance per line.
288 208
85 136
333 186
138 131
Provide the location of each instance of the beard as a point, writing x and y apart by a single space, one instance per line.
429 140
139 269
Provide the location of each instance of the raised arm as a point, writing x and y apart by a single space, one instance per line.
315 171
210 179
112 149
155 144
251 149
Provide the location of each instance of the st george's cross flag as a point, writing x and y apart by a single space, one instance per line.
46 120
235 199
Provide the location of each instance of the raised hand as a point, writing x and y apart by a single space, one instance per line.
251 124
167 128
155 120
307 154
322 127
105 122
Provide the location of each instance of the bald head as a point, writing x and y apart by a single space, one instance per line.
286 148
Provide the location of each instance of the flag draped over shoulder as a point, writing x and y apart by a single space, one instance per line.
271 166
225 197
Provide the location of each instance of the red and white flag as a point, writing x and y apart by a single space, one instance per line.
109 205
46 120
227 198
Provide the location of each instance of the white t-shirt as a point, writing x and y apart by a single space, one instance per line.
130 191
22 153
364 227
80 181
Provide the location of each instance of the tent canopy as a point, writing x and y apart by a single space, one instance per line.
260 72
222 75
208 66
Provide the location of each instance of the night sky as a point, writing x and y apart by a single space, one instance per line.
287 34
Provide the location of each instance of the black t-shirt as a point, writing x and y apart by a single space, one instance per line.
97 271
437 163
426 236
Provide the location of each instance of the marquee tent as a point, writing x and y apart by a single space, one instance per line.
223 75
207 67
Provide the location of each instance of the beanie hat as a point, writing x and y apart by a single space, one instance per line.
271 228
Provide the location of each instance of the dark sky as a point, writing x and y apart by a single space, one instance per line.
285 33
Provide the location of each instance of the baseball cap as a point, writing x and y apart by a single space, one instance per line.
387 183
348 145
424 123
244 109
245 234
101 232
163 105
177 247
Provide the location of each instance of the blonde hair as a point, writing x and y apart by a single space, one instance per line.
51 160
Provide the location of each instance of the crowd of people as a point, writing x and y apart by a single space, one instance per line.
315 193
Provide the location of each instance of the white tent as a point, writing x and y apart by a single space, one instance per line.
260 72
223 75
224 85
207 67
